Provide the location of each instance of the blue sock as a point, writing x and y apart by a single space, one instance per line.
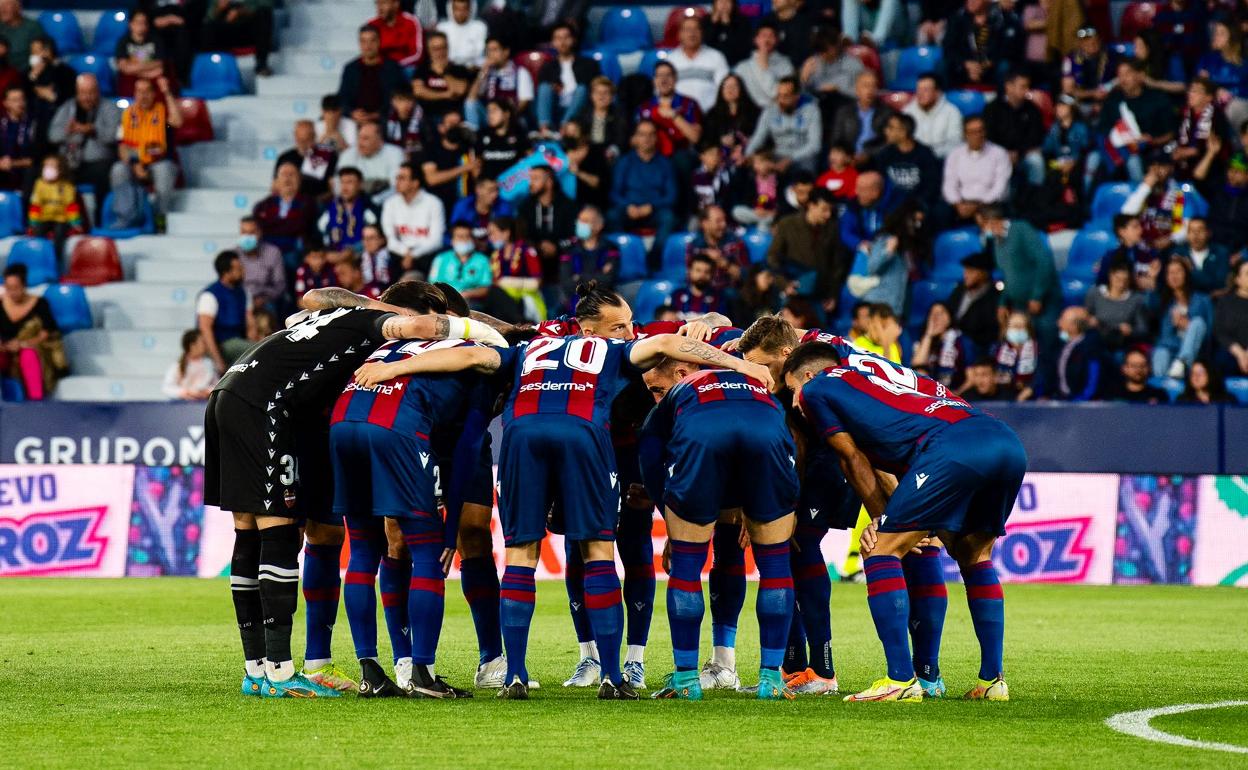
775 601
605 608
574 582
813 589
395 578
928 601
479 580
685 606
727 584
516 596
795 649
426 597
987 603
636 546
321 587
368 542
890 609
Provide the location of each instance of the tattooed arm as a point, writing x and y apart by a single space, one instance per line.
649 352
439 327
502 327
482 359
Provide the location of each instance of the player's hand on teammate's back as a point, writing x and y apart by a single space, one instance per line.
636 497
762 374
731 346
448 556
373 374
696 330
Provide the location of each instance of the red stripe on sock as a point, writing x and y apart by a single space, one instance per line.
680 584
929 591
780 582
985 592
392 600
516 596
811 571
360 579
603 601
731 569
320 594
642 571
481 595
432 585
876 587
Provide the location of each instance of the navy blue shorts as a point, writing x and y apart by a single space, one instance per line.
381 472
964 479
480 487
716 463
315 496
561 461
826 501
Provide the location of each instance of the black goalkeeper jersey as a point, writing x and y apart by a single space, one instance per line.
304 368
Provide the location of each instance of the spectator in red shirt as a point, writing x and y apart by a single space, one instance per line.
677 118
402 39
314 272
841 178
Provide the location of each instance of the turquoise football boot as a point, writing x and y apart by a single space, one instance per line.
771 686
933 689
298 686
680 685
253 685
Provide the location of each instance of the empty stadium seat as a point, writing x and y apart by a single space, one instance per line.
1136 18
632 256
757 242
671 28
98 65
69 307
913 62
608 62
650 59
1090 246
1123 50
865 54
533 61
196 123
650 297
1173 387
11 213
673 267
148 226
112 27
624 29
11 390
1074 291
950 249
94 261
1238 387
214 76
968 102
64 30
922 295
1044 102
1108 199
39 257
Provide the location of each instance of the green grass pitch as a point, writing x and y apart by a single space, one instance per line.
110 673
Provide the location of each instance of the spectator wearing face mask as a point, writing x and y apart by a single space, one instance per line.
592 256
264 273
1016 355
462 266
54 211
1082 369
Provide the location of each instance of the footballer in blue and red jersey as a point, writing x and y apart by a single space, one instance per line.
958 469
717 436
851 355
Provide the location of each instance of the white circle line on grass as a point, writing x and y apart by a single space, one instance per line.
1136 723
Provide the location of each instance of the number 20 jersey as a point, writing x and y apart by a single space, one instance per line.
578 376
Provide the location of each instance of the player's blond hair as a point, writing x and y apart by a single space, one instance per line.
770 333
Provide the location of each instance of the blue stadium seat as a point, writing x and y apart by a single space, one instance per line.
96 64
1173 387
69 307
950 249
1122 50
1074 291
1238 387
39 257
11 390
1091 244
968 102
757 242
112 26
1194 204
922 295
913 62
608 62
214 76
650 297
147 228
10 213
1108 200
673 266
64 30
624 29
632 256
650 59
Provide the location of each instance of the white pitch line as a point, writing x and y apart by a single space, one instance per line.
1136 723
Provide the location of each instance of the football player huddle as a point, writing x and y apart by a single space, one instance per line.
368 419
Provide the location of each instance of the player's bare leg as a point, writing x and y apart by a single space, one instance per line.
605 606
322 586
890 609
687 546
479 581
774 604
516 597
973 552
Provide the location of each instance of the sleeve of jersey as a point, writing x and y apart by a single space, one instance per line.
378 321
817 408
625 349
655 433
508 358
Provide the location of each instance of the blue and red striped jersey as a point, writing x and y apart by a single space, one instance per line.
711 386
413 404
580 376
886 416
853 356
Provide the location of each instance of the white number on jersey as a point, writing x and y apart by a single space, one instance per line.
587 354
309 328
415 348
886 374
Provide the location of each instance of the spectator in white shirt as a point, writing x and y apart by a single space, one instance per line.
464 34
413 221
334 128
377 161
976 172
699 68
761 72
937 123
193 375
